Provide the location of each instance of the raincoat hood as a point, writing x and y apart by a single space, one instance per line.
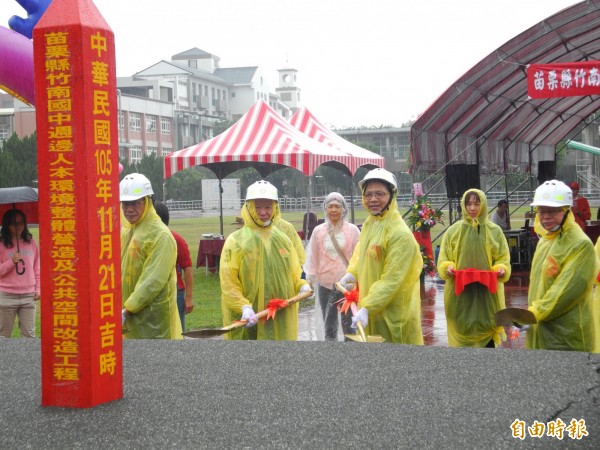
149 213
568 222
335 197
250 215
482 217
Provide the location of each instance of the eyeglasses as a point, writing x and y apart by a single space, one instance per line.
549 212
377 194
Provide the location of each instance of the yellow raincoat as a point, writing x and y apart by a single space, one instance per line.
387 263
149 283
258 264
290 232
563 271
478 244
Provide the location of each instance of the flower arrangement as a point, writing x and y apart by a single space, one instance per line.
428 264
422 215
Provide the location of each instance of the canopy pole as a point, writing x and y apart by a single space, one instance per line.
308 201
221 206
351 198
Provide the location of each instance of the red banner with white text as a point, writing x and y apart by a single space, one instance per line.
568 79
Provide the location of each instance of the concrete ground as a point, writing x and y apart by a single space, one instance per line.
220 394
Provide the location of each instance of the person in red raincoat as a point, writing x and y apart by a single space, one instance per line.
581 207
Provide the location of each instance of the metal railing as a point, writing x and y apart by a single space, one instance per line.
289 204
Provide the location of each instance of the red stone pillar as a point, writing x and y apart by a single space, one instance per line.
76 113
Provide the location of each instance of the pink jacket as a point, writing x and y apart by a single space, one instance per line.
10 281
323 264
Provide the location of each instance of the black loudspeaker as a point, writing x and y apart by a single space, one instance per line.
546 171
461 177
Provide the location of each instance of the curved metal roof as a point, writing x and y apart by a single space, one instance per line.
486 116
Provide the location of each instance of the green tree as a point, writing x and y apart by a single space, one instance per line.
152 167
222 125
18 161
187 184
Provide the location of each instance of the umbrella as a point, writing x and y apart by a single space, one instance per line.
24 198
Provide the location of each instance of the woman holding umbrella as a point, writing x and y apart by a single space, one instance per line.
19 275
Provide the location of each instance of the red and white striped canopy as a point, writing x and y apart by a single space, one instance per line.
261 136
308 124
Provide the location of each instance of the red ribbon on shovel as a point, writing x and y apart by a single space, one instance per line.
272 307
351 298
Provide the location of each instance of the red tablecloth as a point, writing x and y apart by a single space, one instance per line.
209 252
593 231
488 278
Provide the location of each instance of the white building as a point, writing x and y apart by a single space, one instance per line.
202 92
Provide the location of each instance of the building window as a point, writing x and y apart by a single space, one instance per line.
165 126
166 151
3 134
121 120
136 153
135 122
150 124
151 151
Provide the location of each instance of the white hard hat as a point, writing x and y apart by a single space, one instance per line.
134 186
379 174
262 189
553 193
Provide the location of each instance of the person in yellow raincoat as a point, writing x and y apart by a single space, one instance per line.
148 255
474 242
258 263
563 271
387 264
596 300
290 232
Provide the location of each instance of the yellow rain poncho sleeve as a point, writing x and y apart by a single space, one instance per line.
560 290
259 264
476 244
290 232
596 301
387 263
148 256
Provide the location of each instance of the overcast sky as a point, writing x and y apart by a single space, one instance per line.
359 62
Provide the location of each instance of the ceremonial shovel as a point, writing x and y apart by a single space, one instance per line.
210 332
507 317
361 336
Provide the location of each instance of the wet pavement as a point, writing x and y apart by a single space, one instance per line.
433 318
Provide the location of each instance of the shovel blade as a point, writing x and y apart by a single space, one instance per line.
212 332
204 333
506 317
354 337
358 338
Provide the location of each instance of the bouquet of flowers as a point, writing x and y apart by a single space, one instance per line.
428 264
422 215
